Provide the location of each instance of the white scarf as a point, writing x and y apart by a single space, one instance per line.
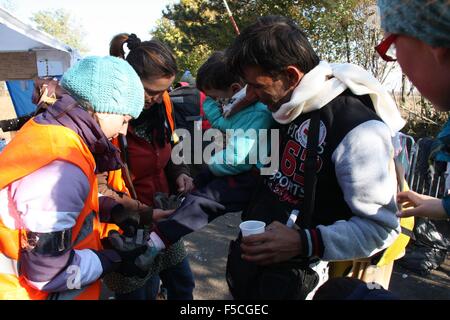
316 89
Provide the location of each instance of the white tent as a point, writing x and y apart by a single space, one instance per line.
27 53
19 40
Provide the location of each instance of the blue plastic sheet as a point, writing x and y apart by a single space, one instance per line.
2 144
21 92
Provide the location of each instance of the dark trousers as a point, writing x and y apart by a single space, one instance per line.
178 280
213 197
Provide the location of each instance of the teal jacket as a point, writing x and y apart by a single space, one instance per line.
234 159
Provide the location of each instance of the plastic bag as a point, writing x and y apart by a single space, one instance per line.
429 249
432 234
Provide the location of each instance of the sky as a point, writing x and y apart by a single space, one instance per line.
100 19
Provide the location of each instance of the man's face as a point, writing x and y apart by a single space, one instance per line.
272 91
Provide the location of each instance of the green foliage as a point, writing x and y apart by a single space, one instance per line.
338 30
426 124
190 55
59 23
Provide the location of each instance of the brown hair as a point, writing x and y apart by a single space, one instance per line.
215 74
272 43
148 58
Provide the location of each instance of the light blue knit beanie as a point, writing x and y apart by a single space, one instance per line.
108 84
426 20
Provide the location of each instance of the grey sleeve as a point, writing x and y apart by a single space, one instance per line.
366 174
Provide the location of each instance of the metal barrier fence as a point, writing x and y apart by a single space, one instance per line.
421 176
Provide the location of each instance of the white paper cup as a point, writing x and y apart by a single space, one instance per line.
252 227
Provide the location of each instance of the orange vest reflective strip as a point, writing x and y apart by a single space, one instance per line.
169 113
34 147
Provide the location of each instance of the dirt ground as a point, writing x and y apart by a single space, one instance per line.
208 253
208 250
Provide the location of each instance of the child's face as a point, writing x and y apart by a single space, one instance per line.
223 94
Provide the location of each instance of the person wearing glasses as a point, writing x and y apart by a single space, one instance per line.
418 37
150 138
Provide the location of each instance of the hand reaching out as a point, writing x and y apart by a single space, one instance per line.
423 206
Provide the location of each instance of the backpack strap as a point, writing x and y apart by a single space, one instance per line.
123 146
310 171
170 117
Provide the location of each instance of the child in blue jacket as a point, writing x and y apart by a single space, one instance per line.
219 84
227 184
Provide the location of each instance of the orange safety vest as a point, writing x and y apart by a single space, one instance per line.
34 147
169 113
117 183
115 179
